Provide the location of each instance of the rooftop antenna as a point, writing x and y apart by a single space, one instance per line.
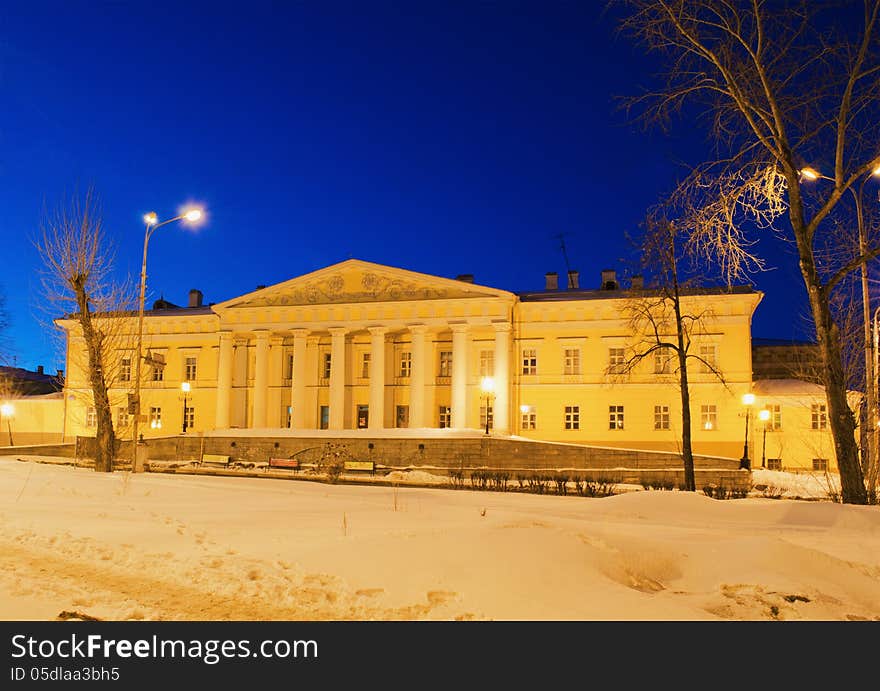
561 238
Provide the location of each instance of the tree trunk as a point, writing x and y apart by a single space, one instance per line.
687 454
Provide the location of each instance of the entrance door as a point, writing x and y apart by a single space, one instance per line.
325 417
363 416
403 416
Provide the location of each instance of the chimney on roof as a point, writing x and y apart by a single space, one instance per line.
195 298
467 278
609 279
573 279
39 369
551 281
638 283
260 287
61 374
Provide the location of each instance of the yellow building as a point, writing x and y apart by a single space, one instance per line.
358 345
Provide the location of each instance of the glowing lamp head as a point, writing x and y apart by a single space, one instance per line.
151 218
810 174
764 415
185 387
748 399
487 384
876 172
7 409
193 215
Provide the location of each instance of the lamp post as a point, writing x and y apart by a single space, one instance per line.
748 401
152 225
764 416
870 345
487 384
7 410
185 388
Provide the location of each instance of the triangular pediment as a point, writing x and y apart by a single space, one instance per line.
356 281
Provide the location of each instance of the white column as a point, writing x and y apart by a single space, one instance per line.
377 377
261 378
298 385
276 377
417 377
224 380
459 375
501 405
337 377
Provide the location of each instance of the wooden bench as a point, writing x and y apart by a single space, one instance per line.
368 466
215 460
290 463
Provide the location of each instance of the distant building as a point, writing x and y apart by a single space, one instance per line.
24 382
782 359
33 406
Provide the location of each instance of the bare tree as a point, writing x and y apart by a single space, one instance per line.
665 324
788 87
76 278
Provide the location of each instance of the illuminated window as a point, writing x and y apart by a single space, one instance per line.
529 361
529 419
819 416
445 363
445 416
571 361
661 417
615 417
155 418
708 417
405 364
487 363
775 423
572 417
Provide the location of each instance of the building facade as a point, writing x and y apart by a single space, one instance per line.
362 346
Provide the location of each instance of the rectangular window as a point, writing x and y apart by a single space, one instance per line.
189 373
615 417
405 364
487 363
363 416
661 417
365 365
445 363
529 419
155 418
483 417
445 419
820 464
125 369
819 416
616 360
529 361
289 369
324 417
190 417
774 464
158 372
402 418
123 419
91 417
708 417
572 417
571 361
326 362
775 423
709 358
663 358
287 415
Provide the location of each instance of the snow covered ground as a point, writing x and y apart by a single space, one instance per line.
186 547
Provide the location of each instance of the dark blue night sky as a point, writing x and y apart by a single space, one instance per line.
445 137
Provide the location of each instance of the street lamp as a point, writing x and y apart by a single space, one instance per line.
152 222
7 410
764 416
748 400
185 388
870 346
487 384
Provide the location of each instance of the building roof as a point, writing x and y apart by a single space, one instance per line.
21 382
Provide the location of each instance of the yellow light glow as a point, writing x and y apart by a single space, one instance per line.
185 387
810 173
525 409
764 415
708 425
7 410
748 398
151 219
487 384
193 215
876 172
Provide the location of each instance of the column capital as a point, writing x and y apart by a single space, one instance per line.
418 328
459 327
261 333
377 330
337 331
226 336
501 326
276 339
300 333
